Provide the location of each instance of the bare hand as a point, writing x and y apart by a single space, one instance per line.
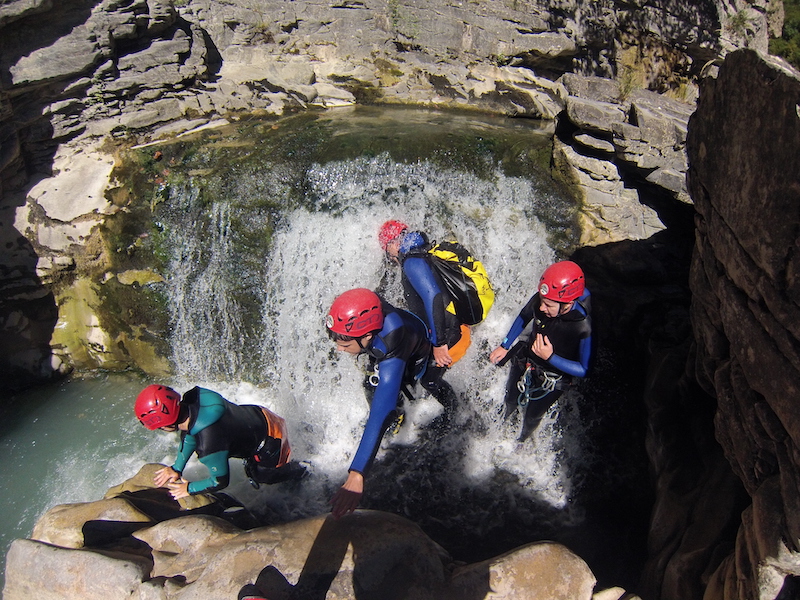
498 354
179 489
441 354
542 347
346 499
165 476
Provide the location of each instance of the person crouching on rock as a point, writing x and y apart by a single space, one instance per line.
216 430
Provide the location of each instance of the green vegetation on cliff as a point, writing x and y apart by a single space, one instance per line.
788 45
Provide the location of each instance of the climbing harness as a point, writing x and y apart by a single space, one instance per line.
528 390
374 379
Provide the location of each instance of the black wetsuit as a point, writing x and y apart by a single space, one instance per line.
426 297
219 430
571 337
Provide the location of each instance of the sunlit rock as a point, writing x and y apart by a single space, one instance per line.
368 552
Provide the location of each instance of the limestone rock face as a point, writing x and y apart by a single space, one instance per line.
144 548
77 70
613 148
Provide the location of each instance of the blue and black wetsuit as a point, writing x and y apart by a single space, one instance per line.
219 430
571 337
426 297
400 351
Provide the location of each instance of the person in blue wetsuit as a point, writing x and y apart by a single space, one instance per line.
426 297
396 341
559 347
216 430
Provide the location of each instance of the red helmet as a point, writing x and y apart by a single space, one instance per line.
390 231
157 406
355 313
562 281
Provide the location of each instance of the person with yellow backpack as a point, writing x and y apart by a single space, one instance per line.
446 287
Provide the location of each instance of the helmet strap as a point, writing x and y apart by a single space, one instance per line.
358 340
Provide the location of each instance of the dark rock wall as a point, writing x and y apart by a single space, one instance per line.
744 178
66 65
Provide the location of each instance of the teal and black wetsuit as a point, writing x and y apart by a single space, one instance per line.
219 430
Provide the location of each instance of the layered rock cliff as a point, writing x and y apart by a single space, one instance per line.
83 70
745 182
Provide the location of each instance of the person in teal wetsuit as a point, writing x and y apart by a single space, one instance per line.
216 430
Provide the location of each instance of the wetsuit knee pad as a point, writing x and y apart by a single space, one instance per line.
269 454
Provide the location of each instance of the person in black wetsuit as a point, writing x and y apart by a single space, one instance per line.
216 430
559 347
426 297
396 341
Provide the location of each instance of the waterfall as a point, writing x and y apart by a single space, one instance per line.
259 234
326 244
207 321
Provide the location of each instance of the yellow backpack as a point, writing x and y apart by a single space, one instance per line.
465 280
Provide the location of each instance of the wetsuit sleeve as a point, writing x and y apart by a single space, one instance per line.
219 475
576 368
383 403
518 326
420 276
185 450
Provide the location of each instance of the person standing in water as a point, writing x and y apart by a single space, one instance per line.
216 430
397 343
558 349
427 298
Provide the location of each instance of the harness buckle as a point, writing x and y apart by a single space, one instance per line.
374 379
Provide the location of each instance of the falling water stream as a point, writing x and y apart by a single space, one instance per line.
256 232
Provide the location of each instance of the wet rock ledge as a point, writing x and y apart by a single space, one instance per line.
139 543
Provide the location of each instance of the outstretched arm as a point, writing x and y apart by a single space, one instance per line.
523 318
346 499
420 276
219 474
384 403
165 476
185 451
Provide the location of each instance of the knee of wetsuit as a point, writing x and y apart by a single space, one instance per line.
269 454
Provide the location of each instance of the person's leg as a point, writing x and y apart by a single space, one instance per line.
433 381
271 475
262 467
535 411
515 371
